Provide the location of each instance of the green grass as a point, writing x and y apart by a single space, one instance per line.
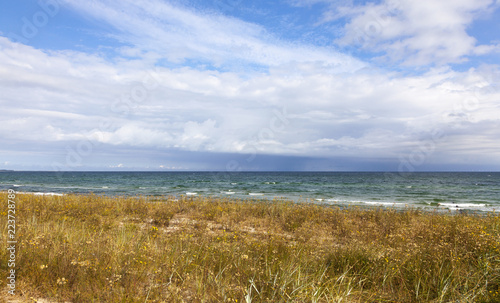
138 249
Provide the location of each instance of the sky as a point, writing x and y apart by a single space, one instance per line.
250 85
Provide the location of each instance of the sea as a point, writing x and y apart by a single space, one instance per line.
450 191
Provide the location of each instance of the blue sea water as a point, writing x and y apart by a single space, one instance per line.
477 191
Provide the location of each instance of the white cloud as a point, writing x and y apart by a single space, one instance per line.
416 32
117 166
179 34
310 113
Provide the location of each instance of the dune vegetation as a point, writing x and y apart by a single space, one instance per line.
91 248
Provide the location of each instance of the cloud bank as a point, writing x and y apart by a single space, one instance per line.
204 85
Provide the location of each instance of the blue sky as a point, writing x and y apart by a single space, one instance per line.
396 85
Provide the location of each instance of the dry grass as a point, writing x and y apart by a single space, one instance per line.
124 249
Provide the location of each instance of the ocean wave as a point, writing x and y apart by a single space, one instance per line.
40 193
384 203
462 205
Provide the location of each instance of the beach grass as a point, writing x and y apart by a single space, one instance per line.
91 248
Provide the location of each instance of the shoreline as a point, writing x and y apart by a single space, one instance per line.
453 207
